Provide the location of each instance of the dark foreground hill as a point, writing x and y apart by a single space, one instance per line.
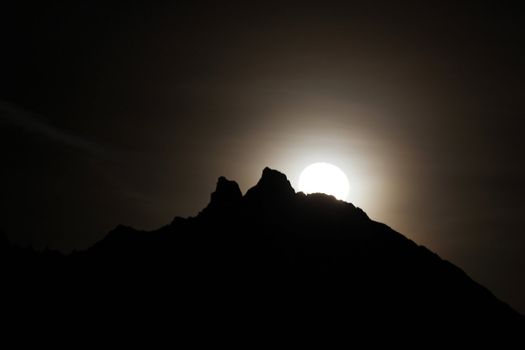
271 258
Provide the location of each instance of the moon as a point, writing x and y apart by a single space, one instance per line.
324 178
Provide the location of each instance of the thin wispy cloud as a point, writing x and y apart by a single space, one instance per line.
37 124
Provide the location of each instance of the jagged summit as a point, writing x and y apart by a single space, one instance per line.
273 186
226 197
226 192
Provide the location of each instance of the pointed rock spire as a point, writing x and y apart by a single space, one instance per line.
226 192
272 185
227 196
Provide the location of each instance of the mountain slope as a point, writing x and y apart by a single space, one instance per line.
280 255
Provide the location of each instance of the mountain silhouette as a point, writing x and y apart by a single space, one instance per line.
272 256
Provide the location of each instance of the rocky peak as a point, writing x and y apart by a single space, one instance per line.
226 192
272 185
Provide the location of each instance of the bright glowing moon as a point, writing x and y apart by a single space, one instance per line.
324 178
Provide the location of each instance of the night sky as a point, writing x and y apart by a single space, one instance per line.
128 113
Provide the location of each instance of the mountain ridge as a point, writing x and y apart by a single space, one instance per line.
314 248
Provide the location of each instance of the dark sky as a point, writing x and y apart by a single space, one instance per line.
127 113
